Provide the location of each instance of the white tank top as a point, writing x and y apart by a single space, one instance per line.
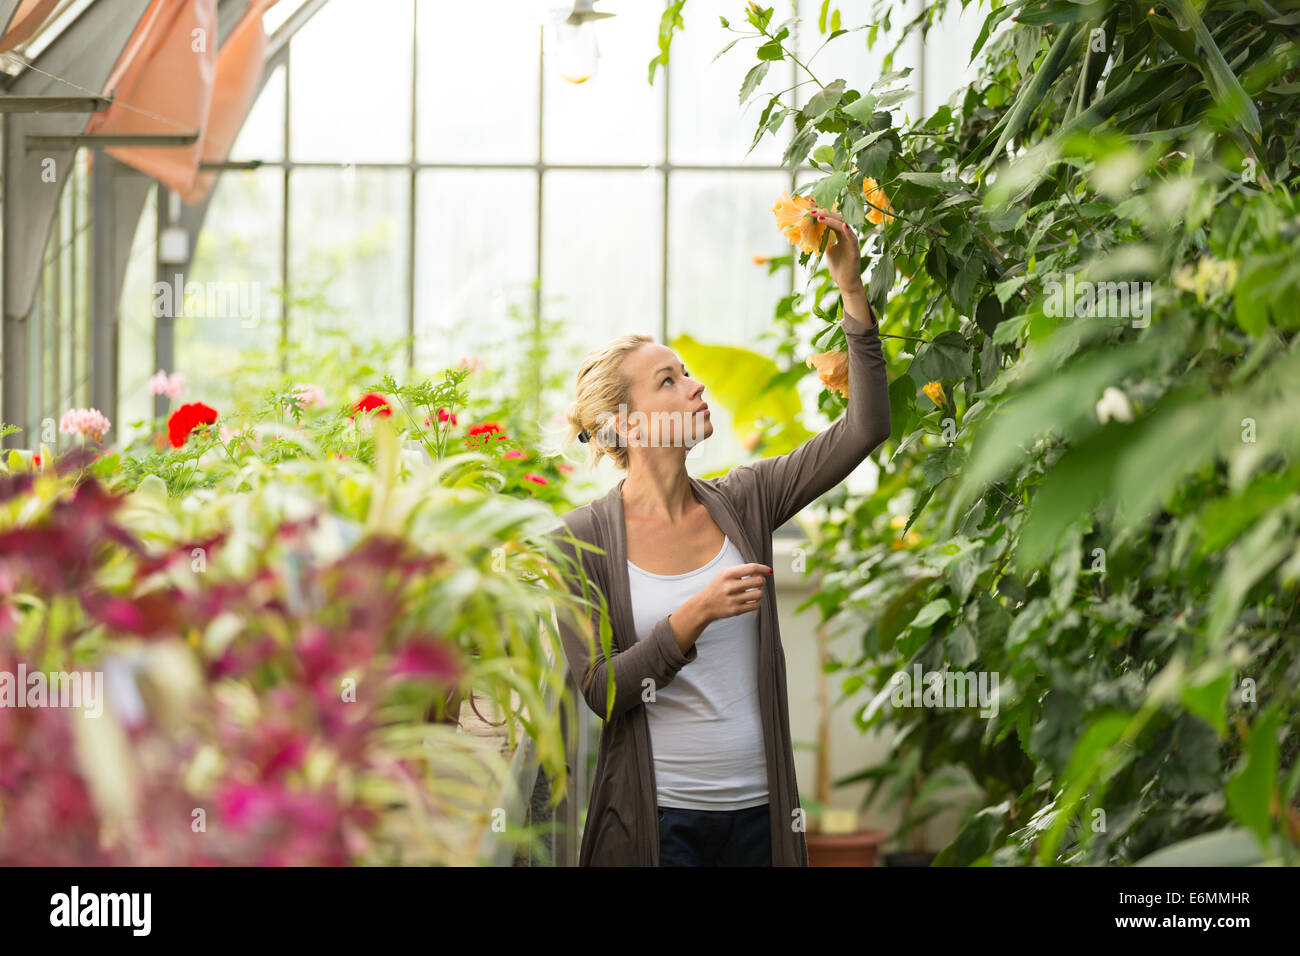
705 729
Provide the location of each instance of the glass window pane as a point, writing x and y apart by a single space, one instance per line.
348 237
478 81
707 125
238 253
718 223
467 278
601 251
615 116
350 83
947 54
81 253
135 349
262 135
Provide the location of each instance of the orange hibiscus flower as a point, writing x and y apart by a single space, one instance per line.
794 218
935 391
876 196
833 368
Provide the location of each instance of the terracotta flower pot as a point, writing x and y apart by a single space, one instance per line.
844 849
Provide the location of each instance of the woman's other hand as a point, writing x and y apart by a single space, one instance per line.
735 590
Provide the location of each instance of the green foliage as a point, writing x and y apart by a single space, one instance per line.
1096 247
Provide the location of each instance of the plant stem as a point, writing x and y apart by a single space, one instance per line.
897 215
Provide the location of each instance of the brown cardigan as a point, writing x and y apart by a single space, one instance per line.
748 503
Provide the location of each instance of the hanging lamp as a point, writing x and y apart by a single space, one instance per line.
574 32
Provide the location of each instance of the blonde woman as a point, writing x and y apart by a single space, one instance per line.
695 766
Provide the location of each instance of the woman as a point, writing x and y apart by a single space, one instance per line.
686 563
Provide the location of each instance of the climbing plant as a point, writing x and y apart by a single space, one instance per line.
1084 267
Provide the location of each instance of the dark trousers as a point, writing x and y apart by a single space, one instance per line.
715 837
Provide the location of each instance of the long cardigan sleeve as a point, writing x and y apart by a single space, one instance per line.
785 484
658 658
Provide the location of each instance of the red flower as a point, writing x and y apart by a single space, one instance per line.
537 478
186 418
487 428
443 415
371 401
36 461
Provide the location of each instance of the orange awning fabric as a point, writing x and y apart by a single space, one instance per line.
162 83
239 73
27 19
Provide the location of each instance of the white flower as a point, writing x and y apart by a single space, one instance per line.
1114 404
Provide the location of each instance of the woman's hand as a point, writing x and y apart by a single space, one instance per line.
735 590
844 260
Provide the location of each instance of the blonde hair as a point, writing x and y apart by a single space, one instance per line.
601 388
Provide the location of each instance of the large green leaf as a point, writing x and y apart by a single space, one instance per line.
1249 791
1032 96
1055 400
1231 846
1223 82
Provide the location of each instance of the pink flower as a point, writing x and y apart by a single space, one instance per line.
309 396
87 422
160 383
516 453
428 659
247 433
536 478
567 469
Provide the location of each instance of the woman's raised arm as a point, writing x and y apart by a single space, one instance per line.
787 483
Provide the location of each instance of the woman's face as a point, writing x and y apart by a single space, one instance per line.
667 406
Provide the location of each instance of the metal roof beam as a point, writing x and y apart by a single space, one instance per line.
54 104
60 141
296 22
